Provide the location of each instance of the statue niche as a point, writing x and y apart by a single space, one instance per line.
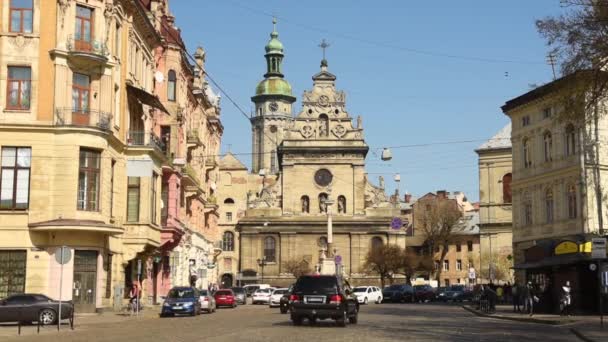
323 126
305 204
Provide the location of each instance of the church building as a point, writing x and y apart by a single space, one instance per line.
311 167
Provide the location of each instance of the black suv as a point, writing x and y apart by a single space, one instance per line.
322 297
398 293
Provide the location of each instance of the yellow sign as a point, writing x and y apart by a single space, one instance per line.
585 247
566 247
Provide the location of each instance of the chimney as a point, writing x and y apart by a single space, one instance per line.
442 194
408 198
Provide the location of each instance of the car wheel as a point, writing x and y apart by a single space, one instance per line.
379 300
354 319
341 322
296 320
47 317
365 300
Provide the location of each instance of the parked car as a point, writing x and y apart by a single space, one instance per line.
261 296
251 288
183 300
207 301
424 293
284 302
275 297
33 308
455 293
241 295
225 297
398 293
366 294
323 297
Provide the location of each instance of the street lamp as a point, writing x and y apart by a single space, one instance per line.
262 263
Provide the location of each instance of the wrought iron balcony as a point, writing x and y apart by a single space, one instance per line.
147 139
88 50
193 138
79 117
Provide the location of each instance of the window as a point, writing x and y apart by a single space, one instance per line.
15 177
458 247
572 203
81 88
112 188
270 249
507 195
446 282
228 201
133 199
153 198
164 198
459 265
548 145
83 33
18 88
21 16
526 153
436 264
549 206
171 85
570 140
527 211
446 265
227 179
228 217
88 180
228 241
377 242
470 246
13 264
547 112
525 121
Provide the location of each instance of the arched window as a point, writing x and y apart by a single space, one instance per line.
227 178
305 202
322 202
526 153
507 196
377 242
341 204
548 146
228 201
171 85
549 206
572 202
570 140
527 210
270 249
323 125
228 241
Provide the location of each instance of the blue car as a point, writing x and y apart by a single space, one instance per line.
182 301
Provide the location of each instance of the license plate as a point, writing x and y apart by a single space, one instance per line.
177 308
222 297
315 300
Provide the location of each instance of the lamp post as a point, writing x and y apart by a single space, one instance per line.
262 263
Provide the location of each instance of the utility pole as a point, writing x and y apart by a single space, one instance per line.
551 60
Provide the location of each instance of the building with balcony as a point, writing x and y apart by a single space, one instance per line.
559 183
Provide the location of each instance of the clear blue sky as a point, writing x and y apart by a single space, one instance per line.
405 97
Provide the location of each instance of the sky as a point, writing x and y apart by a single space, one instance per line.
418 72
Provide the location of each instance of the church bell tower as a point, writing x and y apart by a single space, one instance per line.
273 100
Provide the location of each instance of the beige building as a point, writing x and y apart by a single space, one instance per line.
495 210
558 176
312 167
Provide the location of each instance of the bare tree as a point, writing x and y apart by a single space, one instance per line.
496 267
437 217
384 260
297 267
413 263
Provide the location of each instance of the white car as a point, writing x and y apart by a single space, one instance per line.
367 294
207 301
262 296
275 297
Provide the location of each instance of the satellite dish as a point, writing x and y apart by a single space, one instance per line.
159 77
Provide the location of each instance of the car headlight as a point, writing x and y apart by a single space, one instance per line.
188 304
166 304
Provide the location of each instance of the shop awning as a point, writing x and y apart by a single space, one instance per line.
146 98
555 261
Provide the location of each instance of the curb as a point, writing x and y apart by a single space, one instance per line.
580 335
516 319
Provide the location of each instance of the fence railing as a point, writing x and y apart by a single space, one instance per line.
93 46
83 118
145 138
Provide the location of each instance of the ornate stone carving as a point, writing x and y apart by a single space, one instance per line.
307 131
20 42
339 131
63 8
108 13
323 101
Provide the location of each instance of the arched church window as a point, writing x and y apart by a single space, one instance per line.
270 249
323 125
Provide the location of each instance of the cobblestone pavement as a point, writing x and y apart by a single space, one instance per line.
383 322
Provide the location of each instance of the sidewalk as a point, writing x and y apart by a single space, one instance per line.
586 328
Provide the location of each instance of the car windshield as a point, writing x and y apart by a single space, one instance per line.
395 287
360 289
223 293
262 291
238 290
181 293
316 284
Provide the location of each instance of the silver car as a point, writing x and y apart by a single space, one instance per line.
207 301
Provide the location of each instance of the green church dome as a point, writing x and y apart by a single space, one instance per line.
274 45
273 86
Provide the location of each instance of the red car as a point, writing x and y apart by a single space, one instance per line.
225 297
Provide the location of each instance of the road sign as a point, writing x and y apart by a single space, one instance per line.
396 223
472 274
598 248
63 255
338 259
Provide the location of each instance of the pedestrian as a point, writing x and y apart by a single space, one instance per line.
500 294
565 299
530 298
134 295
515 291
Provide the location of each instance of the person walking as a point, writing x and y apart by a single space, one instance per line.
530 298
515 292
565 299
500 294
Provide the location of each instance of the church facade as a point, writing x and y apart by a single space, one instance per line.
312 169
